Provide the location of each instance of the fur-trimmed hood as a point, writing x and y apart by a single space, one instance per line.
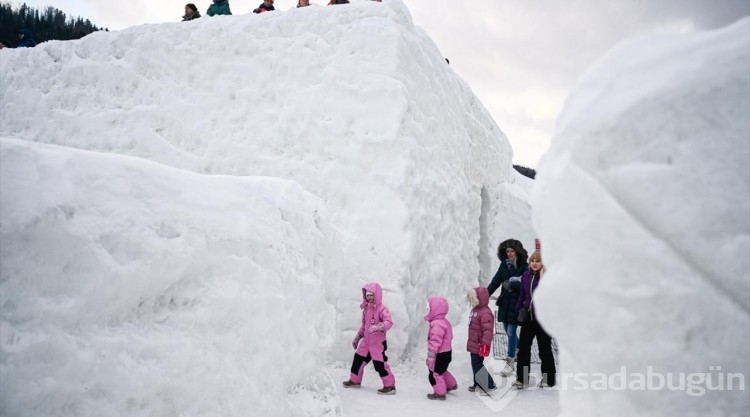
522 256
479 297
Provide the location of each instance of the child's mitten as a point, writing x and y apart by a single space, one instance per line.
356 340
430 362
484 350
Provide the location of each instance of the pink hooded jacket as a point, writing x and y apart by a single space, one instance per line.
440 336
373 314
482 321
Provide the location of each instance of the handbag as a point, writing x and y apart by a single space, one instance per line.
523 315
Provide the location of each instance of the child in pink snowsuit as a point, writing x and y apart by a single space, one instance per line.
439 348
376 321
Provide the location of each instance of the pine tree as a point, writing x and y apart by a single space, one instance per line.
47 24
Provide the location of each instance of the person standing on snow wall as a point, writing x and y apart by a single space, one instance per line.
219 7
513 264
25 39
266 6
191 13
376 321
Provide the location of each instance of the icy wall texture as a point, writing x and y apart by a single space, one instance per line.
643 208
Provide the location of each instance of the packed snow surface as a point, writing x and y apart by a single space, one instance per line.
132 288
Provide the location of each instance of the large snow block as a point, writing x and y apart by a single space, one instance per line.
354 103
643 207
129 288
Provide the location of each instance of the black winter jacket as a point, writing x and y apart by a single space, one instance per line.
506 302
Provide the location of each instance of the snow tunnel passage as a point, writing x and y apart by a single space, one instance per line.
484 257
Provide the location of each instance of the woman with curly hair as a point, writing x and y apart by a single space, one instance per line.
513 264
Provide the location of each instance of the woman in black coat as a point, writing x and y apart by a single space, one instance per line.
513 263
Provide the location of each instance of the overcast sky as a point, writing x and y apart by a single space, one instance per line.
521 57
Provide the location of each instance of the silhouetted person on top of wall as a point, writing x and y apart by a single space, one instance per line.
219 7
25 39
191 12
266 6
